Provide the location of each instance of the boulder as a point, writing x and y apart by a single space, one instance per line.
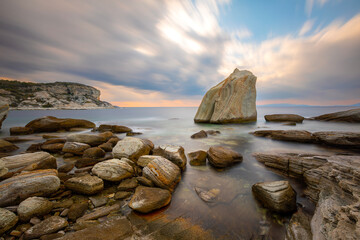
131 148
7 220
145 159
26 159
148 199
35 183
53 124
34 207
278 196
4 109
53 147
197 158
20 131
6 146
163 173
94 152
114 128
75 148
113 170
221 157
173 153
200 134
3 169
231 101
86 184
287 135
107 147
91 139
49 225
340 139
351 116
284 118
46 163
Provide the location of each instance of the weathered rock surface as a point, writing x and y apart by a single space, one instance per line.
163 173
175 154
94 152
114 128
36 183
99 212
200 134
4 109
284 118
278 196
7 220
66 167
287 135
128 184
52 147
53 124
26 159
223 157
148 199
77 210
86 184
131 148
75 148
49 225
3 169
20 131
6 146
208 196
113 170
34 207
91 139
341 139
352 116
145 159
231 101
299 227
197 158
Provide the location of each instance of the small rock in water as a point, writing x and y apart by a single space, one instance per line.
75 148
208 196
212 132
197 158
289 123
133 133
148 199
284 118
201 134
94 152
131 148
222 157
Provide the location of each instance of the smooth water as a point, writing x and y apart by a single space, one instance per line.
236 215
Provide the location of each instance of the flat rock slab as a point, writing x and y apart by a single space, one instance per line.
34 207
114 128
175 154
49 225
277 196
91 139
163 173
221 157
351 116
113 170
287 135
284 118
23 160
335 138
148 199
7 220
99 212
131 148
53 124
35 183
86 184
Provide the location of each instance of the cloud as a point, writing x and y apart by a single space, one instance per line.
306 27
310 4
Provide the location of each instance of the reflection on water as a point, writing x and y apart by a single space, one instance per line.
234 214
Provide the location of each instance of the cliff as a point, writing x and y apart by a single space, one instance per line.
58 95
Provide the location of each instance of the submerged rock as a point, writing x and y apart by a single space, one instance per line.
53 124
86 184
148 199
208 196
113 170
287 135
131 148
4 109
231 101
34 207
20 131
284 118
278 196
7 220
201 134
352 116
175 154
222 157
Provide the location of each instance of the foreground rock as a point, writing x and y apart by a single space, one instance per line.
86 184
34 207
53 124
49 225
35 183
90 139
222 157
277 196
284 118
114 128
352 116
4 109
299 227
131 148
7 220
231 101
163 173
113 170
173 153
148 199
197 158
3 169
23 160
6 146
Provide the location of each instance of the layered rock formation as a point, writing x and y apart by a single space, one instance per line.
231 101
352 115
58 95
4 108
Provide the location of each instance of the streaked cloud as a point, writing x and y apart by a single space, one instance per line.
306 27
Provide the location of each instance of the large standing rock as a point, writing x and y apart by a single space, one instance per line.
113 170
148 199
36 183
231 101
352 116
163 173
4 109
6 146
91 139
26 159
221 157
75 148
173 153
86 184
34 207
131 148
278 196
49 225
284 118
53 124
287 135
7 220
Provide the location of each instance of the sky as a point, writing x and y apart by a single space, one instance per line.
158 53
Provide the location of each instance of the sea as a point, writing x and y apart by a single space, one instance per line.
235 214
